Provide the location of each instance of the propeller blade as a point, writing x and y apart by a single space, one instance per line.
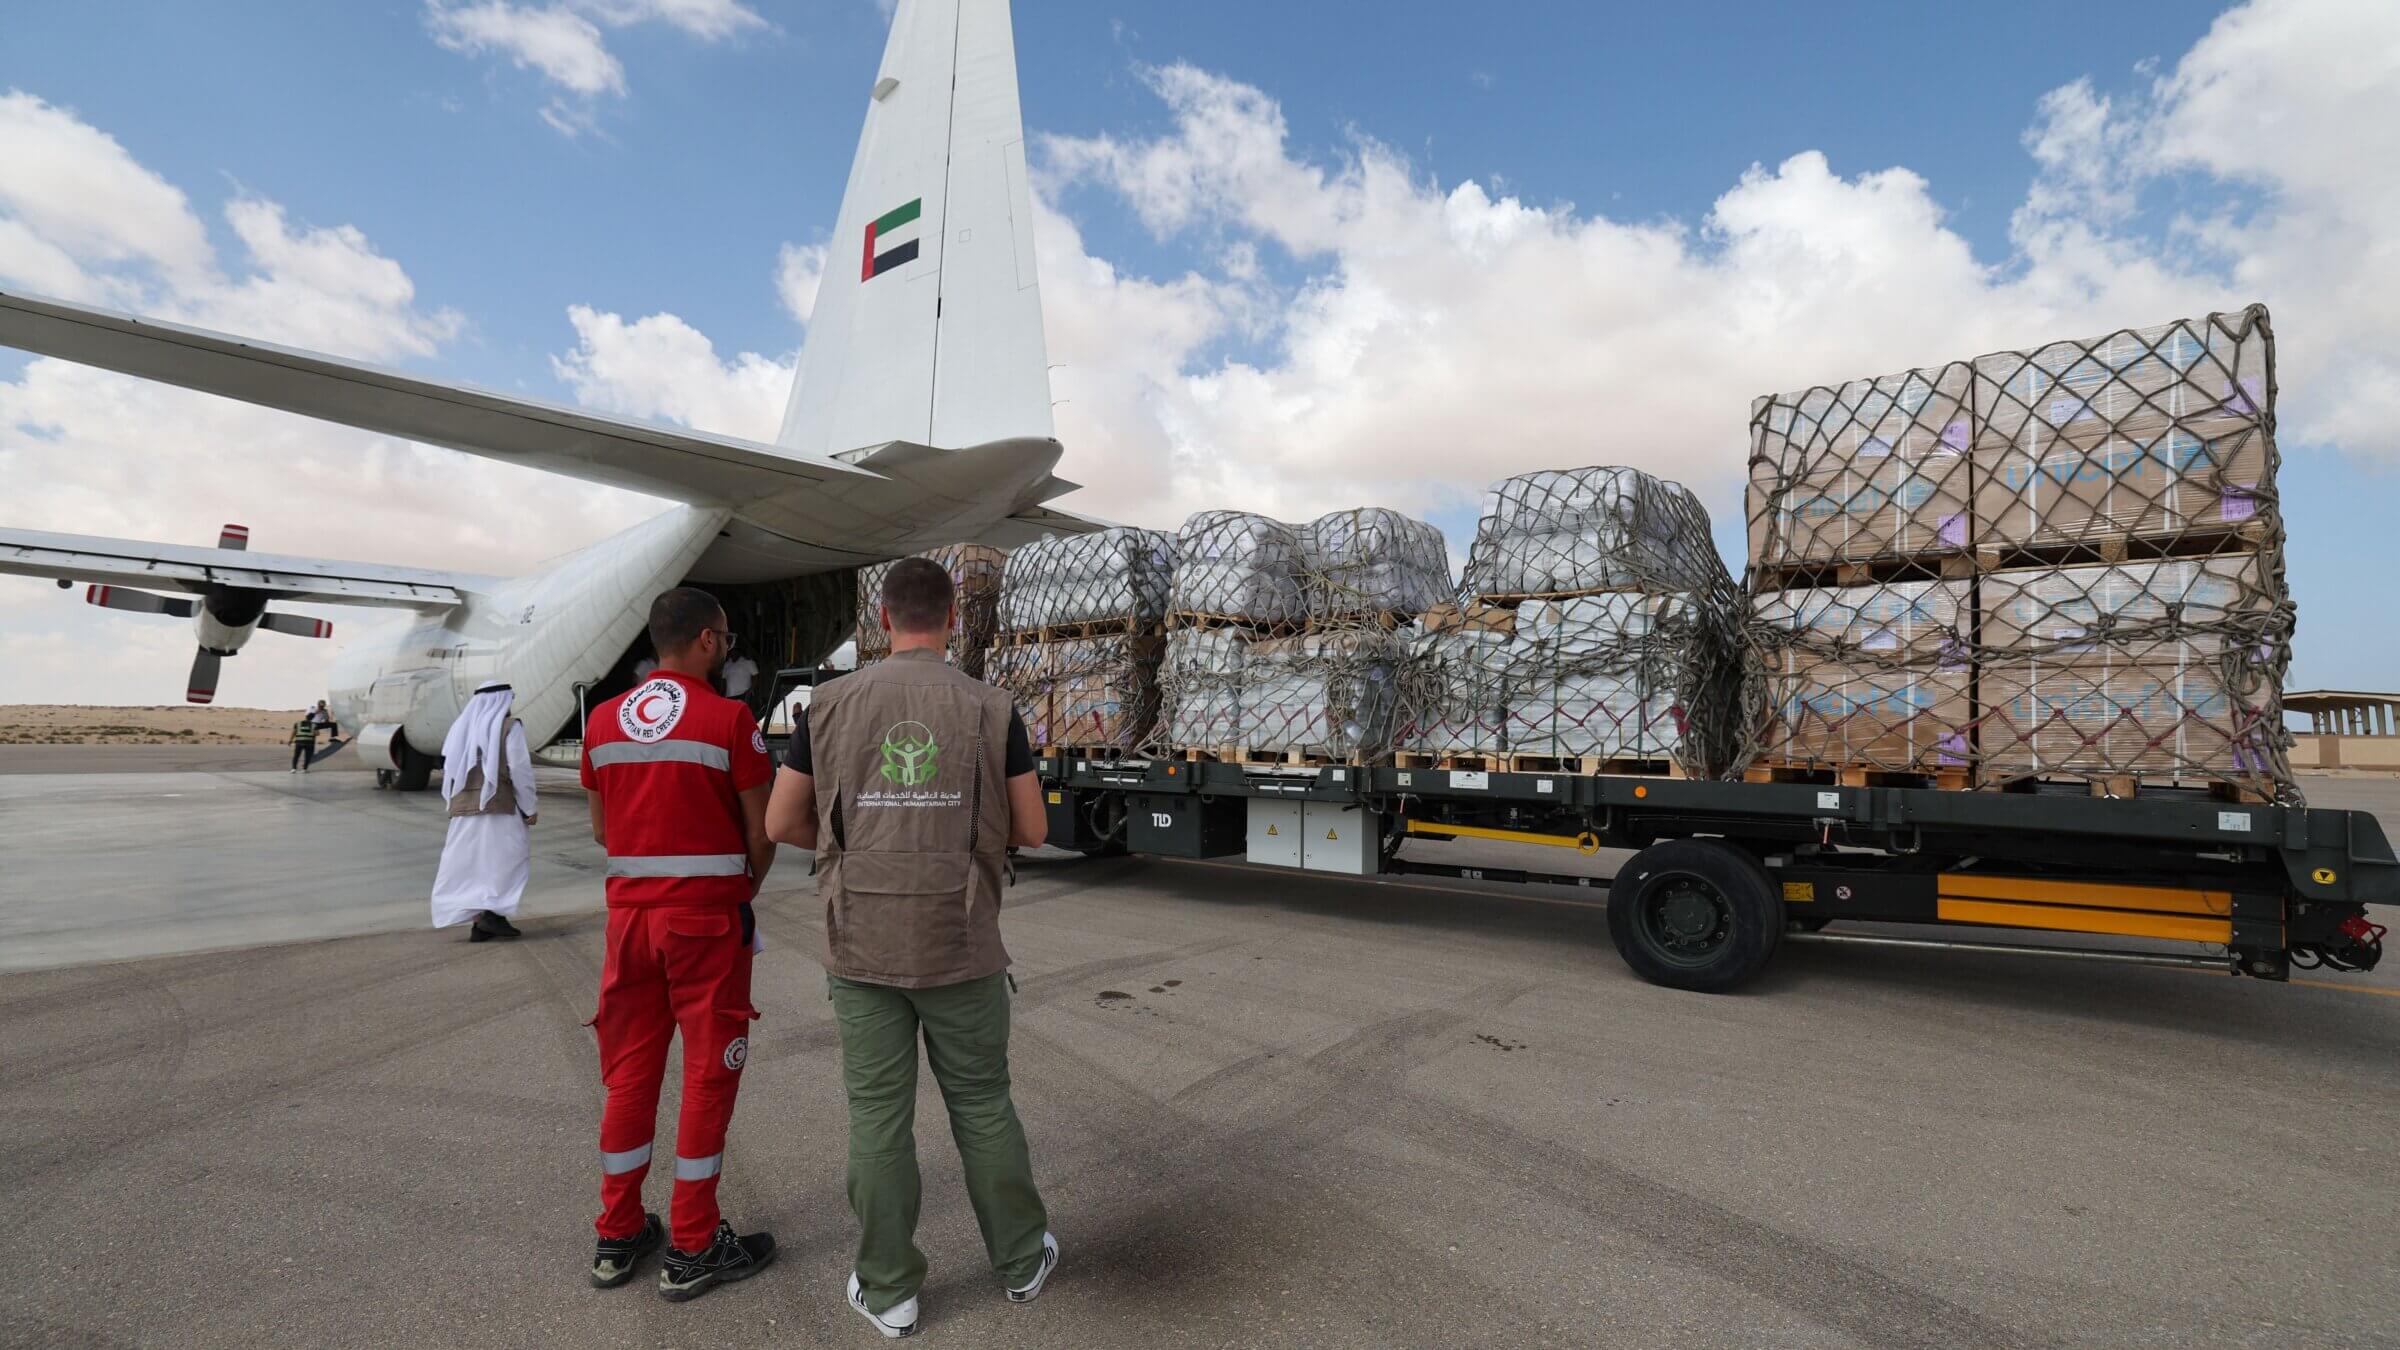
203 686
234 536
296 625
139 602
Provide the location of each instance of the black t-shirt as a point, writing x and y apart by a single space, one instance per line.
799 759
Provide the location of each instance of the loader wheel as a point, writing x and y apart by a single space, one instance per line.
1696 914
416 767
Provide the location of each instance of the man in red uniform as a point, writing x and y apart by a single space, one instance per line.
678 779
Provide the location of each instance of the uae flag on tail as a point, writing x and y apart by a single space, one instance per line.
895 221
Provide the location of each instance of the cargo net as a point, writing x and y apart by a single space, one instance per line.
1596 624
975 569
2058 563
1286 643
1080 641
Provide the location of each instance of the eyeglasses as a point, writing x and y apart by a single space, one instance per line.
725 635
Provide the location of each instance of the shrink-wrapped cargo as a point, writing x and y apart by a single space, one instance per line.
1326 694
1097 693
1572 531
1628 638
1370 562
1238 566
1115 577
1204 670
1599 676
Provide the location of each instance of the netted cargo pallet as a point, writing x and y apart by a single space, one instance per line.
976 570
1285 643
1597 629
2061 564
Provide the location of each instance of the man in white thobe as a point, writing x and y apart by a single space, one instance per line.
487 780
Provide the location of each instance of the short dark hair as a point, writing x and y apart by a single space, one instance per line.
917 594
678 618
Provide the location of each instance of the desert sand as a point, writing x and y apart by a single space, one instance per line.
169 724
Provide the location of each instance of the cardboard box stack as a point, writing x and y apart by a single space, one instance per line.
1597 624
2061 562
1284 641
1080 640
975 569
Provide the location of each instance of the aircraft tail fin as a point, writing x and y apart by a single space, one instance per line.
928 323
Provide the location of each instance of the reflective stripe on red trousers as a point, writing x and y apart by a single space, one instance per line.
666 970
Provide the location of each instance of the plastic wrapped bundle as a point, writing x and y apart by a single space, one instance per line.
1024 670
1238 566
1574 531
1334 695
1599 676
1117 577
975 569
1201 681
1454 696
1369 562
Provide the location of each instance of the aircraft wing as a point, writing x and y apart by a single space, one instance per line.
679 464
132 562
1037 522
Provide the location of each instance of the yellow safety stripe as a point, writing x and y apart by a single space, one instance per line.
2071 919
2165 899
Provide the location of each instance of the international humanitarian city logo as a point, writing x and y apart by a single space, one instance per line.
909 755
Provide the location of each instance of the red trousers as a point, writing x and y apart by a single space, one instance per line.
666 969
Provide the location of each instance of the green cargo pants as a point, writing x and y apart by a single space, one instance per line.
966 1041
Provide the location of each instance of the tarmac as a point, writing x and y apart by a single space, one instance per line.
250 1099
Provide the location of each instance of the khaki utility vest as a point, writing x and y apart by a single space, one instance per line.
469 801
910 760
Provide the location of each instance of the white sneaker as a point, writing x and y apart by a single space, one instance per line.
1033 1290
893 1322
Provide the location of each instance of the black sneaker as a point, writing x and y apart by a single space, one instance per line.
613 1263
684 1275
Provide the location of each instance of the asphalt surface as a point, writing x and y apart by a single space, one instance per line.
1266 1108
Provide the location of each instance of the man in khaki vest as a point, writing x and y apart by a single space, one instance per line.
911 781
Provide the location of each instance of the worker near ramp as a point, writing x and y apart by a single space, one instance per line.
911 780
487 781
678 780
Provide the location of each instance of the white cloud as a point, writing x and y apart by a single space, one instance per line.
72 198
563 41
659 366
91 452
799 270
564 46
1446 336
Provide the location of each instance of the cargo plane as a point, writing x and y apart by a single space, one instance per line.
920 416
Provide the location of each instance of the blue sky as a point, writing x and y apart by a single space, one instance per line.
677 195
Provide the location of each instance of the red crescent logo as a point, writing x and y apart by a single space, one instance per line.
642 709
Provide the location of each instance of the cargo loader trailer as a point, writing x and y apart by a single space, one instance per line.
1726 872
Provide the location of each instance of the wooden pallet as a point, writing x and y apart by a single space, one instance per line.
1273 759
1246 627
1512 599
2097 549
1465 761
1958 779
1086 752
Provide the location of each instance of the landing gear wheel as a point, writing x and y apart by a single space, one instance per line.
416 767
1696 914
